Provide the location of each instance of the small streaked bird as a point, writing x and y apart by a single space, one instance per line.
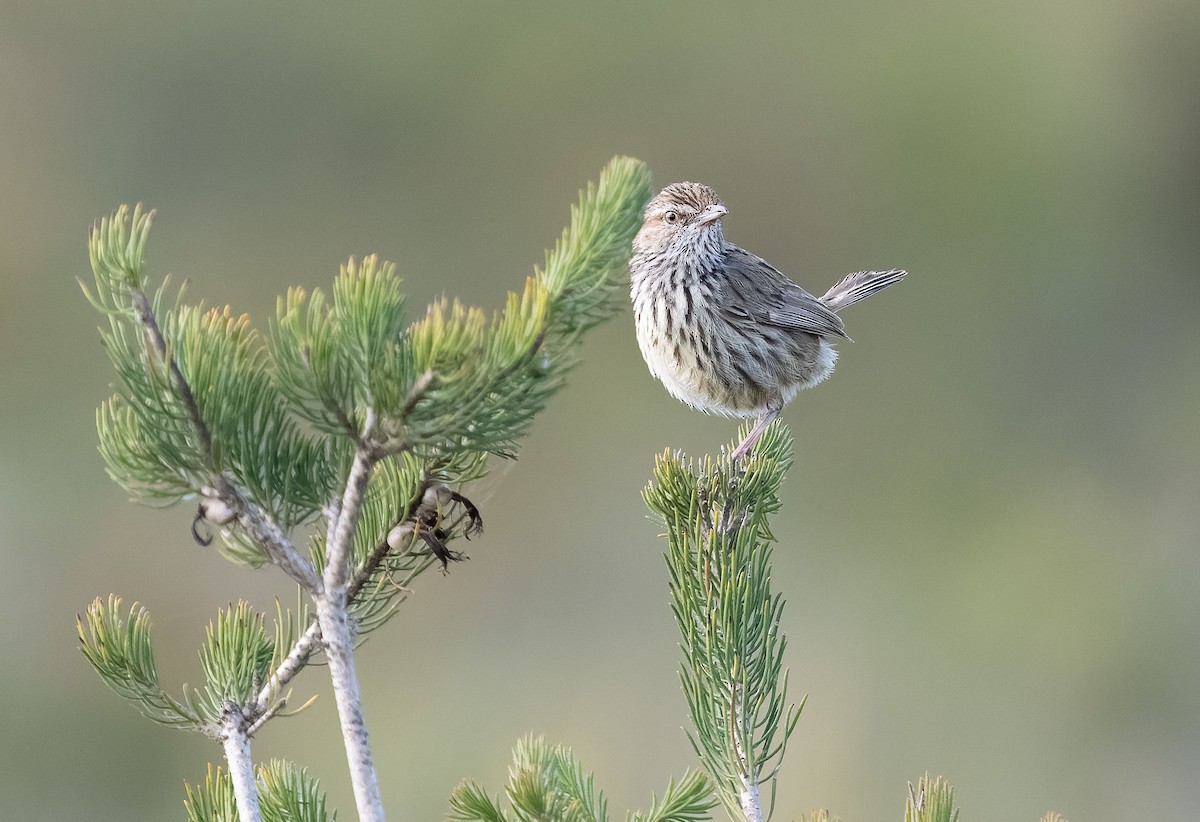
721 328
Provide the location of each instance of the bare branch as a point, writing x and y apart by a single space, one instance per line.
304 647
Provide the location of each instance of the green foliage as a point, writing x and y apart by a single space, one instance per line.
490 377
121 651
268 429
288 794
265 430
202 397
689 800
168 434
288 626
236 658
395 488
213 801
817 816
254 439
334 359
391 497
930 801
285 794
469 802
116 250
146 436
588 260
719 558
548 784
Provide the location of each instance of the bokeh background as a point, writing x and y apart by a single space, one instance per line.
989 540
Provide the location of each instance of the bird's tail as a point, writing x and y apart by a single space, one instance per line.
859 286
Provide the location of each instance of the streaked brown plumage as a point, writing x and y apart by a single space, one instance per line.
720 327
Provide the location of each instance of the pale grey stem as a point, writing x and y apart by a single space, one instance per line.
310 641
241 765
292 664
267 533
340 535
337 632
339 653
751 802
748 796
266 716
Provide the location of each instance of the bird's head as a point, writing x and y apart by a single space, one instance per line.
683 218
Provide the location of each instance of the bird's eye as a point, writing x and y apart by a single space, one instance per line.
671 217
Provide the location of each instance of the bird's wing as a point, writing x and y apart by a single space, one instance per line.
756 293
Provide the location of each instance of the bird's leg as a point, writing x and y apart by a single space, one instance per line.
753 437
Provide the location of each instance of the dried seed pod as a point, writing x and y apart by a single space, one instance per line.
399 537
438 496
217 511
211 510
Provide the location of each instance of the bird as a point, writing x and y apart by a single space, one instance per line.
721 328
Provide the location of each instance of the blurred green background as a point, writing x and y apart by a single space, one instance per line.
989 540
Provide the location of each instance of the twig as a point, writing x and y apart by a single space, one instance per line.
270 714
417 391
145 315
256 521
304 647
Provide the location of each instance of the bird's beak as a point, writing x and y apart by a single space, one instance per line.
712 214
